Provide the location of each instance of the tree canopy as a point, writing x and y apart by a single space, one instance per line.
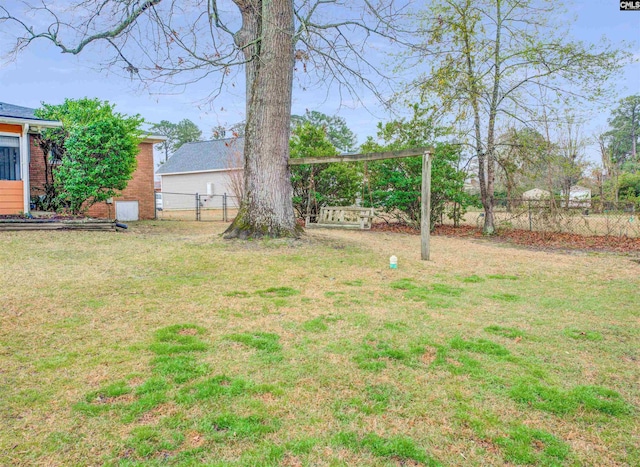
177 134
335 127
395 184
625 131
318 185
490 62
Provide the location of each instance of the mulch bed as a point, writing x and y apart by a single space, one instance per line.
538 240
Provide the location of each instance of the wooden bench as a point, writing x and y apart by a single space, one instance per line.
344 217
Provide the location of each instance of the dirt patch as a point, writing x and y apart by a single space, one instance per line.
453 362
401 462
488 446
194 439
536 240
291 461
428 356
538 445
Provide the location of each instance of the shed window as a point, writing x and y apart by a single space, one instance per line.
9 158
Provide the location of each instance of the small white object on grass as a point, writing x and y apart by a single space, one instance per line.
393 262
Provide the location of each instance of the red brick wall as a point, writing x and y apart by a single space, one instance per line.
36 168
140 187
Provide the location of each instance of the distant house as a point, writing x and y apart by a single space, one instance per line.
536 194
209 168
579 196
23 166
471 186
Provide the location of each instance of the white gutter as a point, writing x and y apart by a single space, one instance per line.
199 171
31 121
149 138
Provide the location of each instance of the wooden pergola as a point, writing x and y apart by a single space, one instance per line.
425 202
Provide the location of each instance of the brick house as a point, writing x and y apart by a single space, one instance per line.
23 166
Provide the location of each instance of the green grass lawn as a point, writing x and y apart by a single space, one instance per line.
167 345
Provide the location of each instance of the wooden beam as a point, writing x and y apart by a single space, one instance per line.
425 206
372 156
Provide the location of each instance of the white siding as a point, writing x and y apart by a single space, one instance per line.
178 191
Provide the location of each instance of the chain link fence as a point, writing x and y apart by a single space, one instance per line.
196 206
585 217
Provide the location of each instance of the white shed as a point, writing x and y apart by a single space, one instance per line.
579 196
536 194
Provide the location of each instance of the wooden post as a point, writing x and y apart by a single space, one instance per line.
425 205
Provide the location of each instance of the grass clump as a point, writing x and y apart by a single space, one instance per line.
511 333
219 386
108 398
583 335
379 396
447 290
473 279
375 400
482 346
528 446
602 400
234 426
277 292
180 368
263 341
354 283
502 277
395 326
438 289
146 441
138 401
396 447
56 362
506 297
550 399
142 405
151 386
372 357
315 325
403 284
236 293
432 295
179 338
108 393
302 445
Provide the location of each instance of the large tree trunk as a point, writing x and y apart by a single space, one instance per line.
488 199
267 207
484 175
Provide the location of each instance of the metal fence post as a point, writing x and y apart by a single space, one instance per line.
224 207
530 218
197 207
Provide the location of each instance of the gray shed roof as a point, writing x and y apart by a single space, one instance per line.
205 155
16 111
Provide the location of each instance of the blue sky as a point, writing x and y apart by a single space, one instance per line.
41 73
